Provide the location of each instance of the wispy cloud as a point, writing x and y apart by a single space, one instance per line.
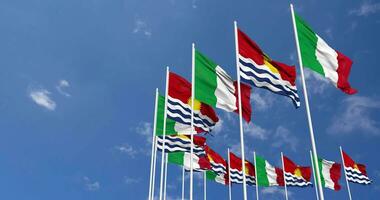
141 27
356 114
145 129
42 98
127 149
316 83
194 4
366 8
255 131
91 185
62 85
130 180
262 101
283 137
274 191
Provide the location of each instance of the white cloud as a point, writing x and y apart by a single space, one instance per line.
356 115
329 33
142 28
262 101
127 149
194 4
41 97
218 127
274 191
91 185
146 130
130 180
316 83
283 137
366 8
255 131
62 84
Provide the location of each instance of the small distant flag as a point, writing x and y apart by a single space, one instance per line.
330 174
182 143
296 175
268 175
236 173
259 70
179 106
218 164
219 178
200 163
355 172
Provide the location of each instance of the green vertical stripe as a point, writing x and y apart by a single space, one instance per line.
261 176
205 79
320 166
308 44
211 175
176 158
160 119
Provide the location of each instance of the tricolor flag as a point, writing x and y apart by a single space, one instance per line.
182 143
296 175
259 70
355 172
330 174
172 127
218 164
216 88
318 56
236 174
219 178
179 106
200 163
267 175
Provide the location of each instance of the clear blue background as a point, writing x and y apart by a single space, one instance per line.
94 144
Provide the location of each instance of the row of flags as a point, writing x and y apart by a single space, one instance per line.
185 111
225 171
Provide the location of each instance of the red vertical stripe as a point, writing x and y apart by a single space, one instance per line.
335 175
280 177
245 99
344 68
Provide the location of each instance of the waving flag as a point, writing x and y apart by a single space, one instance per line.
330 173
218 164
267 175
318 56
219 178
296 175
259 70
237 173
179 106
215 87
355 172
200 163
182 143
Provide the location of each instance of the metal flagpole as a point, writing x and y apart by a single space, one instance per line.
183 182
345 174
314 148
256 179
315 180
154 167
166 174
240 111
192 117
204 186
283 171
153 146
164 133
229 176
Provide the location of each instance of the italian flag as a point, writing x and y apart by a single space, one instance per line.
318 56
219 178
172 127
216 88
330 174
267 175
185 158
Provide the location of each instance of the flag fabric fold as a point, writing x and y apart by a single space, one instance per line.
182 143
236 172
218 164
296 175
259 70
318 56
355 172
268 175
219 178
330 174
200 163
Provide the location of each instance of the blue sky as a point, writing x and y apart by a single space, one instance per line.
78 78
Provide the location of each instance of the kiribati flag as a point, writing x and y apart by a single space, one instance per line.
355 172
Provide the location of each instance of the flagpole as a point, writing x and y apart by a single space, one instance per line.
183 182
164 133
204 186
154 167
345 174
153 146
283 172
166 174
192 116
240 112
314 148
229 176
315 180
256 179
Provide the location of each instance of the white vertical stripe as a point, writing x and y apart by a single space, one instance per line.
326 166
271 174
225 91
187 161
328 58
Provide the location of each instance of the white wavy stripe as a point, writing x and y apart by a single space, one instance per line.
219 165
245 69
265 68
175 115
189 107
350 169
303 184
292 177
197 116
359 181
178 147
357 176
268 85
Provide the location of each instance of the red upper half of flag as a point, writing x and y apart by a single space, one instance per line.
348 162
212 155
235 163
245 99
180 88
249 49
297 170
